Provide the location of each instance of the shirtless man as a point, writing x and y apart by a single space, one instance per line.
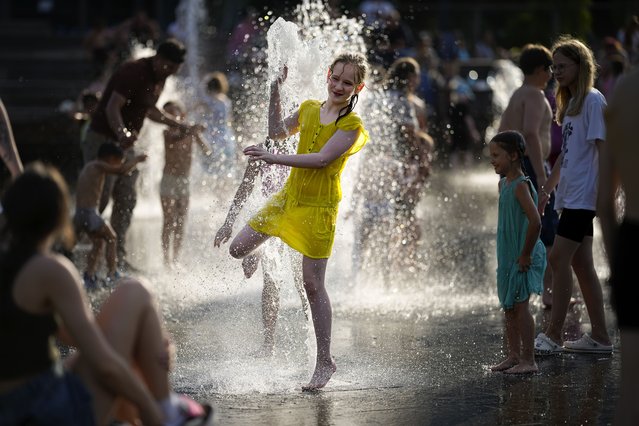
529 113
87 219
174 187
618 159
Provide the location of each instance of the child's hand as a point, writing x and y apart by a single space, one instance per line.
524 263
256 152
142 157
223 235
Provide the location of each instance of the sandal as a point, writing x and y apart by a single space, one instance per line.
545 346
196 414
588 345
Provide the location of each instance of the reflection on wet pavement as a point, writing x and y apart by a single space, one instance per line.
414 350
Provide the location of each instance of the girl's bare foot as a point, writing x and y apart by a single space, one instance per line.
321 376
523 368
505 364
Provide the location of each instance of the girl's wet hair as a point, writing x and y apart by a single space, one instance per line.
580 54
512 142
36 205
359 62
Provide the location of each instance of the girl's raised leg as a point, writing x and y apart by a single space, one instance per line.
246 241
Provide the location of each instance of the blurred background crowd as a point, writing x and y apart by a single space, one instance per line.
56 56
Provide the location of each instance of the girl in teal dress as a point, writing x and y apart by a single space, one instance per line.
521 256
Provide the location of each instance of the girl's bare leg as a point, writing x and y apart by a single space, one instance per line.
314 271
584 268
526 334
561 258
512 340
130 323
246 241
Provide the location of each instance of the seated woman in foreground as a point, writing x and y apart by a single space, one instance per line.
42 297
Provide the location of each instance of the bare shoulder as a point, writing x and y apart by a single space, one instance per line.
53 266
532 94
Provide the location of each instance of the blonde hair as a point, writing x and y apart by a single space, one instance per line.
580 54
359 62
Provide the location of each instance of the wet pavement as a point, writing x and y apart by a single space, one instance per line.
413 351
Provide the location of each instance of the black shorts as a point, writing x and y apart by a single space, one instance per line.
550 218
576 224
623 277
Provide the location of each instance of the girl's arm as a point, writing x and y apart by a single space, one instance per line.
551 183
336 146
69 302
243 191
279 128
522 193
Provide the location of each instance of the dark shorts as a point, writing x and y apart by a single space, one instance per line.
87 220
52 398
623 277
576 224
550 219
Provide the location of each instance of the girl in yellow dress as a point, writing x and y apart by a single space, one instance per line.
304 212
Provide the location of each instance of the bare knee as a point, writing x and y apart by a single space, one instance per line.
235 250
134 289
312 287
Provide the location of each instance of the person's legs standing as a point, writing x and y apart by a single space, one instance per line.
560 261
124 201
588 280
314 272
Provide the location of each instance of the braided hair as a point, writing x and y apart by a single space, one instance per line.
512 141
359 62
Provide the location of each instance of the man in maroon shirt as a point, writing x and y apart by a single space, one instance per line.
130 97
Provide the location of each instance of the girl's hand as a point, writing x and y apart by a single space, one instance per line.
281 78
223 235
256 153
524 263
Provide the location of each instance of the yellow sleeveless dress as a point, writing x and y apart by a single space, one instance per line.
304 212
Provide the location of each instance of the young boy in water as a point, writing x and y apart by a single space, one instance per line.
174 187
87 219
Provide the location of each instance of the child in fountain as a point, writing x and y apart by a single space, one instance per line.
521 256
304 212
273 177
174 186
87 219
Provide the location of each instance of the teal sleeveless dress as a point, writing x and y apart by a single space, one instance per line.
514 286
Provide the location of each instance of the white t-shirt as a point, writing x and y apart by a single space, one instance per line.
577 187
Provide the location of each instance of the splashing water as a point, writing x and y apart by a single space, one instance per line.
212 310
